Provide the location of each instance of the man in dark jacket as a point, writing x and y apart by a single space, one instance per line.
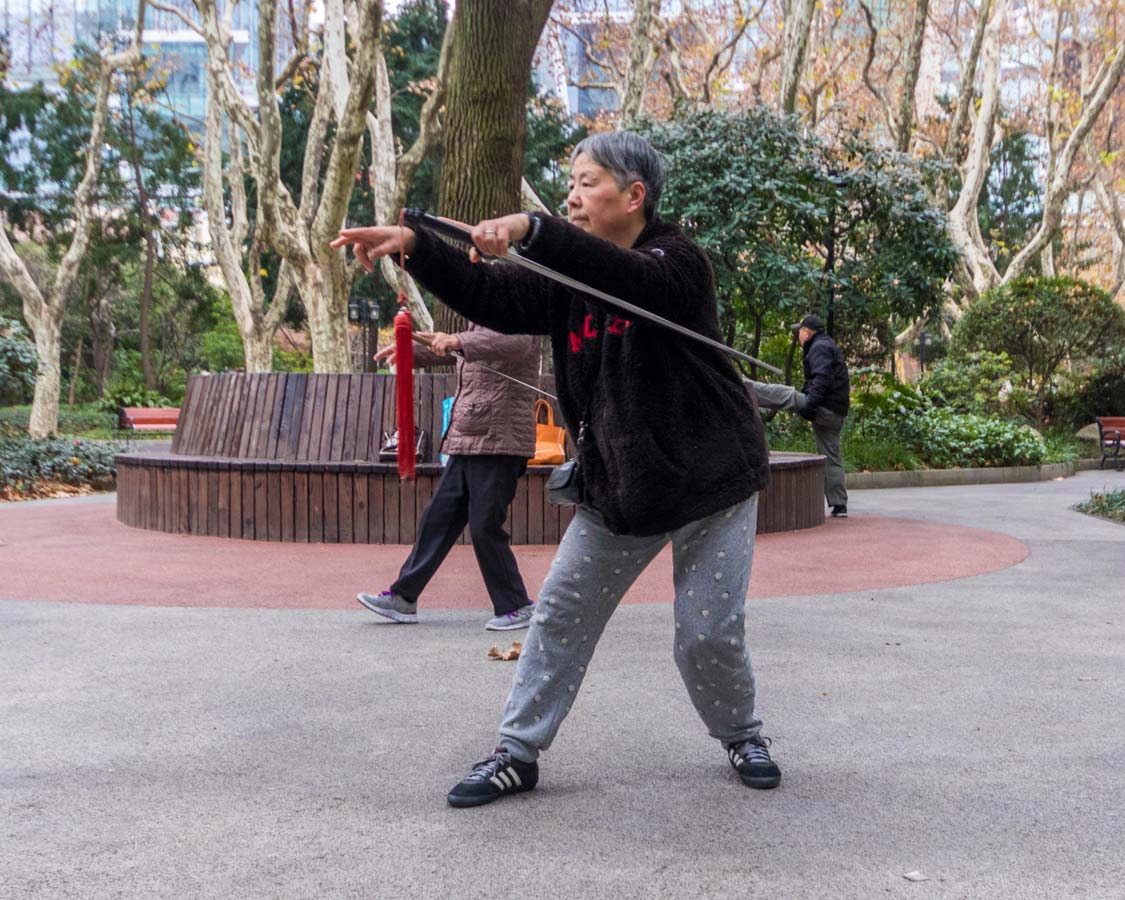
491 436
823 401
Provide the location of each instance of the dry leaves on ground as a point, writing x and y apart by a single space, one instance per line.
511 653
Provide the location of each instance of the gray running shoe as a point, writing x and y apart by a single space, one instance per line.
391 605
513 621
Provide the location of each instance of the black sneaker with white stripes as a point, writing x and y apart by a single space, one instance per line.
499 775
751 760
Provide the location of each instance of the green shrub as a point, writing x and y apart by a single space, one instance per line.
26 463
944 439
1063 446
876 453
1041 323
114 400
18 363
1083 399
291 361
971 383
222 346
874 391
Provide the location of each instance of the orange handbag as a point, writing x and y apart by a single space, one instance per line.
550 440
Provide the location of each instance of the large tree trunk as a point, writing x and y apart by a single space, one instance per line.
47 329
642 54
905 125
795 43
964 227
486 113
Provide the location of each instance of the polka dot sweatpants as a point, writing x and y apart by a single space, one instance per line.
592 571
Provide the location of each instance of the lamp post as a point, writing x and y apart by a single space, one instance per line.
923 343
364 313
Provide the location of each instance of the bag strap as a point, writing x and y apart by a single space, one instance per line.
539 404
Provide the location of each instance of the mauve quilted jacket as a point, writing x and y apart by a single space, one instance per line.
491 415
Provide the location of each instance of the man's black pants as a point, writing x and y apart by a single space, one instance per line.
475 490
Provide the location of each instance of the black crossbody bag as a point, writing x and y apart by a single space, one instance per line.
564 485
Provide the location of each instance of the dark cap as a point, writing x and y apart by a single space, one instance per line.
811 322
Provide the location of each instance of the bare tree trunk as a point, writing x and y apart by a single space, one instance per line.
642 55
102 334
486 113
1111 209
43 311
795 43
44 420
964 229
1058 188
150 225
905 126
1047 261
968 77
389 181
75 369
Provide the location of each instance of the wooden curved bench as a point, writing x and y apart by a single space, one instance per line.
294 457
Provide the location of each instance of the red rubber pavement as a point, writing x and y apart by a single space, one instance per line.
78 552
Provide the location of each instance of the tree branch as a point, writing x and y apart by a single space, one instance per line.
1101 89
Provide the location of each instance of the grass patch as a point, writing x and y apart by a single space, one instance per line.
1063 446
1106 505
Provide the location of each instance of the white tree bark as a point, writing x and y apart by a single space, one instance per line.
904 126
300 235
1111 209
386 183
964 228
1058 188
968 77
257 323
642 55
795 45
43 310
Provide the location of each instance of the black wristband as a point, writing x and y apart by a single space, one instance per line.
532 232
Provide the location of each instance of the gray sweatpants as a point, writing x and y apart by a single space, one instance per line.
827 427
592 571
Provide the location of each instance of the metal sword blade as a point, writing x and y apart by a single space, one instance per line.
418 218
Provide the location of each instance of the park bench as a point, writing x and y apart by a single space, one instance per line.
131 419
295 457
1110 431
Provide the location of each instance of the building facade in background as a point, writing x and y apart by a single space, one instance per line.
42 34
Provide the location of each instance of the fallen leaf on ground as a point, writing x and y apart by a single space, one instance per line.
915 876
511 653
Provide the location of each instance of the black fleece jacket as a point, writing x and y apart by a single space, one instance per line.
671 435
826 375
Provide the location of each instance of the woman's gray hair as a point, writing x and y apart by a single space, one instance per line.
628 157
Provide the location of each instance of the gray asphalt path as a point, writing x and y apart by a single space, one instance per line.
973 731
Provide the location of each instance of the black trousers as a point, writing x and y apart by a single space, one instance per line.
475 490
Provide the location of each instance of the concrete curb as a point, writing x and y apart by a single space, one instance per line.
949 477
